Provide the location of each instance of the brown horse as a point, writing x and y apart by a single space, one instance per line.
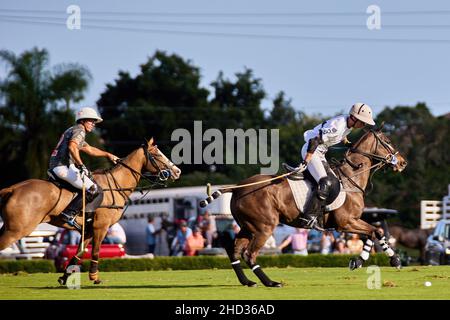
31 202
258 205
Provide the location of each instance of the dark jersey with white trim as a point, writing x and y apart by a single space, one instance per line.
61 154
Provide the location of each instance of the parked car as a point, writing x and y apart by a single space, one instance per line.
437 249
65 246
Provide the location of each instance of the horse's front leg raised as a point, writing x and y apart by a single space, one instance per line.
75 260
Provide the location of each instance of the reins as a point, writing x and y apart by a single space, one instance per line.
136 175
382 161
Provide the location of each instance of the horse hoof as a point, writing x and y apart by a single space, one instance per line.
275 284
251 284
62 281
98 281
355 263
395 262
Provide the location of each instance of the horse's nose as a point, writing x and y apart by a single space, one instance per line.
177 173
402 164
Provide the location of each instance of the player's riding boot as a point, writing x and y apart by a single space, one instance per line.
70 213
313 215
316 204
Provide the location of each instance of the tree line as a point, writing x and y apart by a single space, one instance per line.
167 94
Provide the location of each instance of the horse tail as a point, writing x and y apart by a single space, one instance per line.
214 196
4 195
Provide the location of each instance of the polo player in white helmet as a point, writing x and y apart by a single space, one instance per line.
318 140
65 161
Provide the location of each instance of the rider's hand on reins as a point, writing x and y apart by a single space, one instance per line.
113 158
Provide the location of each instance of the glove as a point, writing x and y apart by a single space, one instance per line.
301 167
83 170
348 143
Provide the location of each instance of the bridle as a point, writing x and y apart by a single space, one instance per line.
389 159
162 176
376 160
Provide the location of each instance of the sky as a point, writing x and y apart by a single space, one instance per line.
320 53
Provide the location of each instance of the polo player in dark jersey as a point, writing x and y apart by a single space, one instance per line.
65 161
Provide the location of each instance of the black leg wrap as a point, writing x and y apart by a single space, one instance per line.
264 278
241 275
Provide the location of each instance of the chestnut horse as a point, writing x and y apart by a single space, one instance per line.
31 202
260 203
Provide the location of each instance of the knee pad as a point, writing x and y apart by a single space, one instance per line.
91 193
324 188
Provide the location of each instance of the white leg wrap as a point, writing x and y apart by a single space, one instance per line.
236 262
386 247
390 252
256 267
364 255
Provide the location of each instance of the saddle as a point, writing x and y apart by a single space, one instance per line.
303 186
61 184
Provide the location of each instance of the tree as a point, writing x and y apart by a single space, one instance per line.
423 140
165 95
31 119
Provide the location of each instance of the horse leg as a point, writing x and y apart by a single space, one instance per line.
394 258
99 235
75 260
363 228
7 237
240 244
256 243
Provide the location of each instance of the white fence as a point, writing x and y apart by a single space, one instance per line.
431 211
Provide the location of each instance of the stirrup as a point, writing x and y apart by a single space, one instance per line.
70 220
313 223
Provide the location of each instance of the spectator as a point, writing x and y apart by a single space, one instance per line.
194 242
270 243
228 235
326 243
165 236
74 237
179 241
298 241
340 245
150 234
206 226
354 244
116 234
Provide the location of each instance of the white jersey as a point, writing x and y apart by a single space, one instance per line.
332 132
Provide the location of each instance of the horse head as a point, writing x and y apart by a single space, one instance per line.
376 146
157 163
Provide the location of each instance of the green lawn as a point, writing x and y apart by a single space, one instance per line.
299 283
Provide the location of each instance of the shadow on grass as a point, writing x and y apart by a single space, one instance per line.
150 286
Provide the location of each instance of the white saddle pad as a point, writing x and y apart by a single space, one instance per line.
302 190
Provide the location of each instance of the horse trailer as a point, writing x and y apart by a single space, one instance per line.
172 204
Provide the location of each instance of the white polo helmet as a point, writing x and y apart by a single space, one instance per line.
88 113
362 112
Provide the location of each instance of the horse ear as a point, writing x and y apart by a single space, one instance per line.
151 142
380 127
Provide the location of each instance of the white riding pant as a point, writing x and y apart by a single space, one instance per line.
315 166
72 175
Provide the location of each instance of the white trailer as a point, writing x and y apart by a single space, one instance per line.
173 203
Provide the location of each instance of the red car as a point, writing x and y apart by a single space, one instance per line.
65 246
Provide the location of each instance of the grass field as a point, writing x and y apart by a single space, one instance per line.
299 283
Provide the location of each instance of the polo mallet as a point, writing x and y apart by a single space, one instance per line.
83 190
208 189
